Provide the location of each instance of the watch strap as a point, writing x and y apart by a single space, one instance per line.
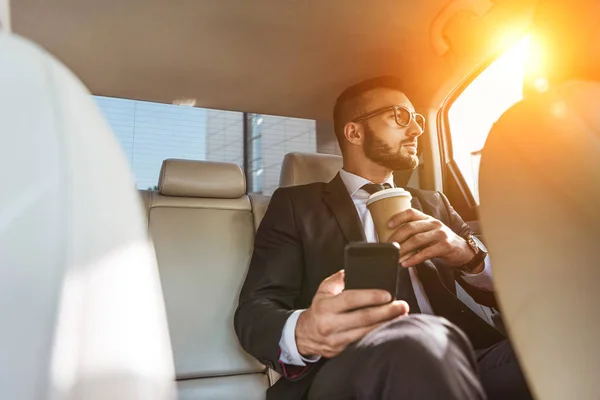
479 257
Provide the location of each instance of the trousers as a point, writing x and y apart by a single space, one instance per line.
420 357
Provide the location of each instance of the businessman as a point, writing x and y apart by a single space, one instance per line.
327 343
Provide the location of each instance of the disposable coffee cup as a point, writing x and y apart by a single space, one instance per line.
383 205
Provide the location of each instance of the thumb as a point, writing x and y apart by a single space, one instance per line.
333 285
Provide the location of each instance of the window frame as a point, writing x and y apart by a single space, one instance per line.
454 184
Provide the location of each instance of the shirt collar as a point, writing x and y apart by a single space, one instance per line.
353 182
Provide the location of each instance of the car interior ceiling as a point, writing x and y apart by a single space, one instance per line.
244 57
250 58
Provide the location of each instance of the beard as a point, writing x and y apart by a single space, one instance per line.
383 154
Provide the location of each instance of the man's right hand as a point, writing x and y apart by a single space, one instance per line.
338 318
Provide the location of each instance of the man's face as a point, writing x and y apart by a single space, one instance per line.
386 143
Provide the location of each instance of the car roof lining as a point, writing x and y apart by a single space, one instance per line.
287 58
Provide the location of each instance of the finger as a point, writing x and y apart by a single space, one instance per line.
419 241
436 250
357 298
406 255
371 315
404 232
406 216
333 285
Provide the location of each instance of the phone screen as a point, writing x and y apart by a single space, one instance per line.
372 266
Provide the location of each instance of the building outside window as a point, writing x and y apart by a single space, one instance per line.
152 132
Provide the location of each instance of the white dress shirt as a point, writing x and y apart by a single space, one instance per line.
354 183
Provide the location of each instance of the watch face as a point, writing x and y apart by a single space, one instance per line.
473 241
472 244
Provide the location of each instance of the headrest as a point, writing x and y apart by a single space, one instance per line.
190 178
303 168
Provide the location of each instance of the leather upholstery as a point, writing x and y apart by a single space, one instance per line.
303 168
541 220
157 200
189 178
81 310
259 208
246 387
203 246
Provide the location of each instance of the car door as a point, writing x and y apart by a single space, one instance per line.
466 117
463 123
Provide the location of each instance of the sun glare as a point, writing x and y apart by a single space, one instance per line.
474 112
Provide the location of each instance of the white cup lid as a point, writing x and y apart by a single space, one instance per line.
387 193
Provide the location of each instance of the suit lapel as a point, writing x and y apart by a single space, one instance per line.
416 204
337 198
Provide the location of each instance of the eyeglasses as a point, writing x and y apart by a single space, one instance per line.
402 115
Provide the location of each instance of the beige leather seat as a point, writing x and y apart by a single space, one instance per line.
81 309
203 229
302 168
540 214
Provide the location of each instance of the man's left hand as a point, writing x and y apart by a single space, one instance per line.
422 237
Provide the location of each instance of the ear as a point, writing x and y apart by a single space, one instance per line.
354 133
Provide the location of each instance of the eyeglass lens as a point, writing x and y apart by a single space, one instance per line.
403 117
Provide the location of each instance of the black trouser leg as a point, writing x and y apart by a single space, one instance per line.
414 357
501 373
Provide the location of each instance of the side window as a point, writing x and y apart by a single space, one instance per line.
478 107
270 140
152 132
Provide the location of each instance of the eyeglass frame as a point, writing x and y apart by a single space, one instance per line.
395 108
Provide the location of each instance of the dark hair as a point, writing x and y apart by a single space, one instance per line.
349 105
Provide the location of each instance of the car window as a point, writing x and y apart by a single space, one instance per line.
270 138
479 106
152 132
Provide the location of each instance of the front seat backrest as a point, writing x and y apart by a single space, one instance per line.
203 229
81 310
540 214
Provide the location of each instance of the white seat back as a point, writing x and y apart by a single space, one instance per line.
81 310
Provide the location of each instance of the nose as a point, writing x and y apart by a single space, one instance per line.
413 129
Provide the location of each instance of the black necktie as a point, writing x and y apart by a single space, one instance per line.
375 187
404 288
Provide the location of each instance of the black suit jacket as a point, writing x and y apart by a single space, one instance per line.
301 241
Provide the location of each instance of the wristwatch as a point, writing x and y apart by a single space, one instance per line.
480 254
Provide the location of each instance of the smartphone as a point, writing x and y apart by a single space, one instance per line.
372 266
